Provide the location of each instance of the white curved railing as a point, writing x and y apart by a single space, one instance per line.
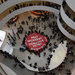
66 19
6 69
25 9
10 3
67 34
71 4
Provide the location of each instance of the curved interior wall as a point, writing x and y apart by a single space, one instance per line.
68 11
66 19
71 4
10 3
66 27
72 37
27 4
25 9
8 17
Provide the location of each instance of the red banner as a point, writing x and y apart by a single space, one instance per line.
36 41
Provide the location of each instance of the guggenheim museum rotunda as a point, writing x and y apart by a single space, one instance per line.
37 37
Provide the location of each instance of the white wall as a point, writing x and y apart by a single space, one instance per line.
21 10
10 3
71 4
66 19
72 37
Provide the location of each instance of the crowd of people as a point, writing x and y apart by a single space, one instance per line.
49 46
34 28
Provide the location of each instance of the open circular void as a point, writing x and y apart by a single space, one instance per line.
36 41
